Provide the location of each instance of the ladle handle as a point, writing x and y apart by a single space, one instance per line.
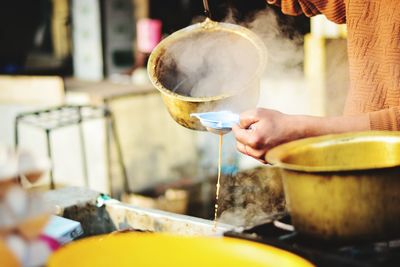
206 9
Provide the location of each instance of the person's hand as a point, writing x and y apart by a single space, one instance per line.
262 129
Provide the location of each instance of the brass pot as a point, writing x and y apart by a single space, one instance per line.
181 106
342 187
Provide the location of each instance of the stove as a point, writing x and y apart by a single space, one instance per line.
279 232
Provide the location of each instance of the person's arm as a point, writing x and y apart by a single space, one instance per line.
262 129
385 119
334 10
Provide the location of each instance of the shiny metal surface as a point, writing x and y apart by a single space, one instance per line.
343 187
179 106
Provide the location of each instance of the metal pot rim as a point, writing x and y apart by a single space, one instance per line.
277 155
207 25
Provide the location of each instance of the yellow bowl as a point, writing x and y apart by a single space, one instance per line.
181 106
342 187
155 249
339 152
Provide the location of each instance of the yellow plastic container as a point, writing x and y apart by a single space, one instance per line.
155 249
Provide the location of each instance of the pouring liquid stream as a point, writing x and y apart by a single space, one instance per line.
219 122
218 180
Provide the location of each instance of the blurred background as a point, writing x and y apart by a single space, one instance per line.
57 54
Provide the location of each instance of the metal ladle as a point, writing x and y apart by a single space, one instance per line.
180 105
206 9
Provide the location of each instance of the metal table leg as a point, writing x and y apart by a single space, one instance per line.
83 150
119 152
16 134
48 139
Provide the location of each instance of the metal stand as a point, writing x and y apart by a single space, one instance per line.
112 131
67 115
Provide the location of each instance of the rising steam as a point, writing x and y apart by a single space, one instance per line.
209 64
217 63
285 55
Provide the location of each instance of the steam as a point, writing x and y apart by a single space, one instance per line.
217 63
249 197
210 64
285 54
222 63
247 216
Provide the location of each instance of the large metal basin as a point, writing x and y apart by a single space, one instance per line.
343 187
181 106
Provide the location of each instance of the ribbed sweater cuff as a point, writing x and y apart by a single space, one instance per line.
386 120
334 10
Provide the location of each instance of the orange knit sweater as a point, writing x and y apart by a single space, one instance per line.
374 53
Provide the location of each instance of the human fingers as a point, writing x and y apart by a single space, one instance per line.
252 137
242 135
258 154
248 118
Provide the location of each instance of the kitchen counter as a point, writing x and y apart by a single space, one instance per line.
103 91
100 215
